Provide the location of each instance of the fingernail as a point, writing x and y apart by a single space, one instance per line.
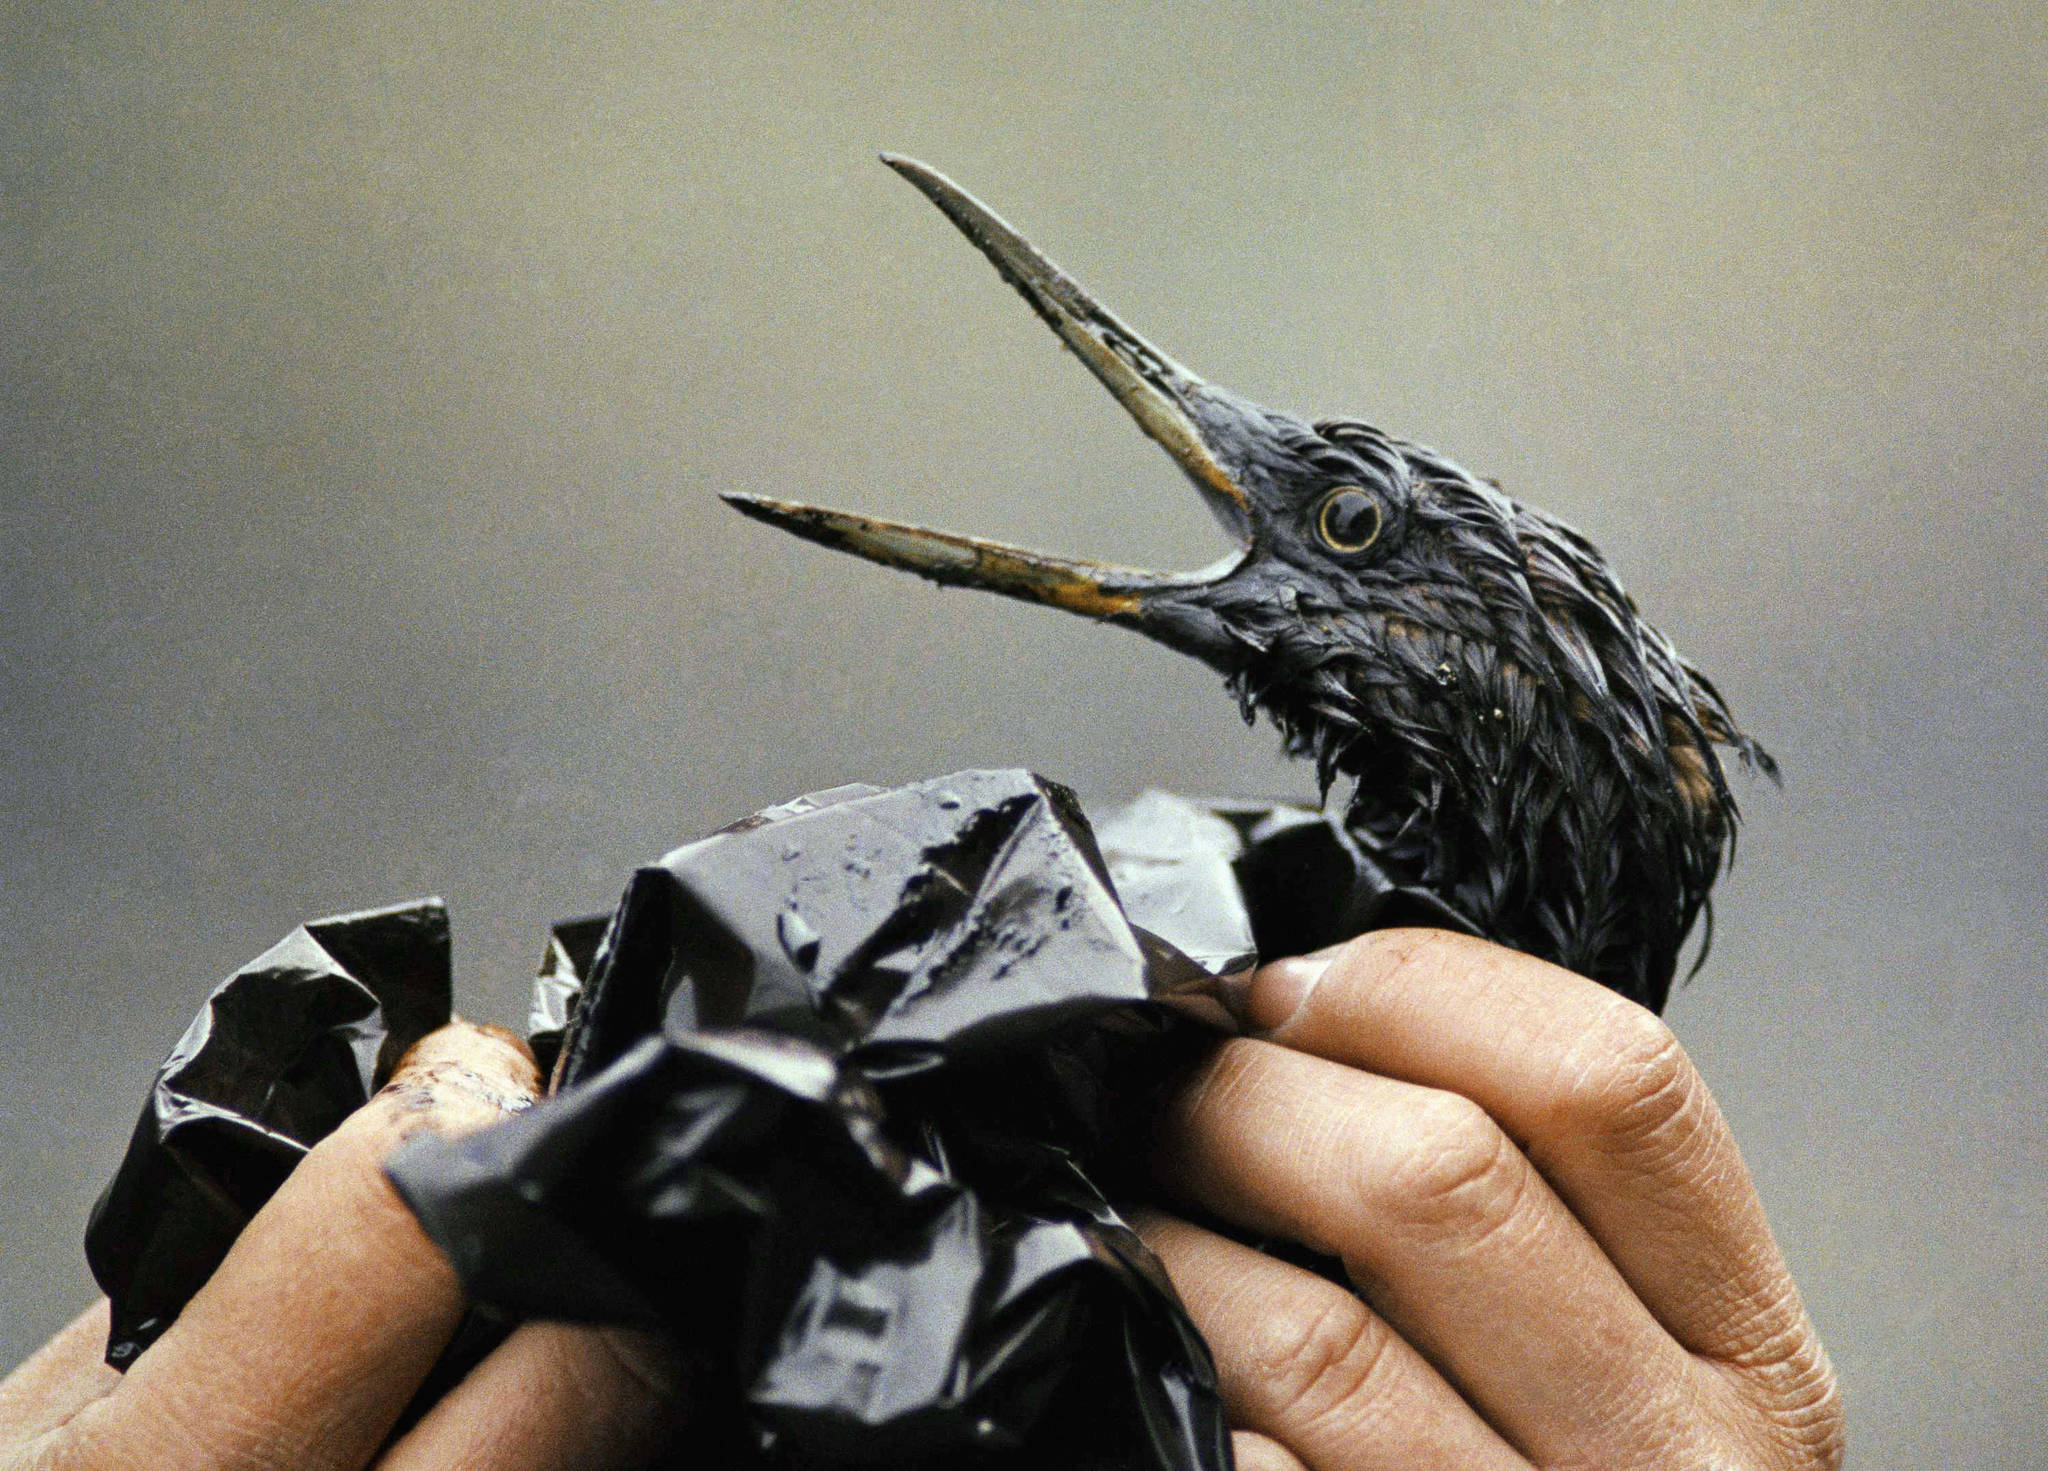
1279 990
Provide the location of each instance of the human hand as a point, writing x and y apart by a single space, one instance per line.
1560 1257
332 1306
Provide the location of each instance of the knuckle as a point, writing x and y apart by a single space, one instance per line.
1763 1328
453 1082
457 1079
1458 1176
1815 1426
1790 1374
1638 1091
1317 1362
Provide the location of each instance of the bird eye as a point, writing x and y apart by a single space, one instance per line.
1349 521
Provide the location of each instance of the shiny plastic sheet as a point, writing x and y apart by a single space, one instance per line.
839 1093
1302 879
557 990
281 1053
842 1095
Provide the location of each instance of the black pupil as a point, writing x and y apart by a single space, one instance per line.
1350 520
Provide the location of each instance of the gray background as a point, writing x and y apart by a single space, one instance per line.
370 370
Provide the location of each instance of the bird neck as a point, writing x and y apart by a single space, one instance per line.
1548 836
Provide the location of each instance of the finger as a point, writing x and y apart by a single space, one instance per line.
1253 1452
1594 1088
552 1397
1450 1233
331 1306
1304 1363
57 1380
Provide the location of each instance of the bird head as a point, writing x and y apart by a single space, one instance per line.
1516 737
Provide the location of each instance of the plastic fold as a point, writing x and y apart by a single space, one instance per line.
841 1098
281 1053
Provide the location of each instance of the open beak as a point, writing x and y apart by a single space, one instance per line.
1188 419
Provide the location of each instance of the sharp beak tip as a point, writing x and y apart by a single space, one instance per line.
762 508
1155 399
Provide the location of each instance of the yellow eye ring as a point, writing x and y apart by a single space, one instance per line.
1349 520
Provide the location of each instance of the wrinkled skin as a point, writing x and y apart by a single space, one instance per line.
1560 1262
1559 1256
309 1341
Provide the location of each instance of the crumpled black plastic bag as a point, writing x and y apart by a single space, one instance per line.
1300 879
840 1093
833 1104
571 951
281 1053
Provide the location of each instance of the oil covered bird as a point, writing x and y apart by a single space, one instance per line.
1518 740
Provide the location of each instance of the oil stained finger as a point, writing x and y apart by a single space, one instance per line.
457 1079
331 1307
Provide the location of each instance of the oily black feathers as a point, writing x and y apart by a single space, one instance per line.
1517 737
1518 740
